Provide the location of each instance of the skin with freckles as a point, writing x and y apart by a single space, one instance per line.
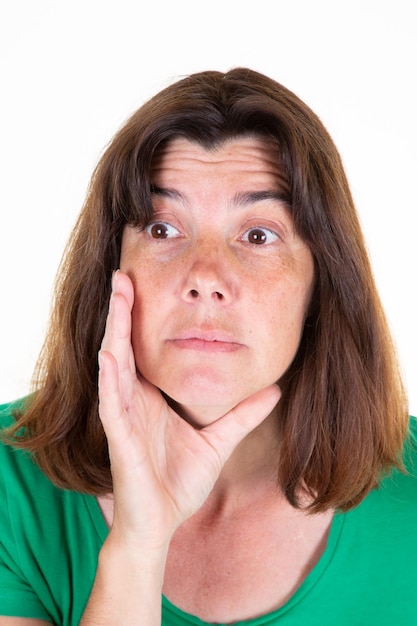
222 281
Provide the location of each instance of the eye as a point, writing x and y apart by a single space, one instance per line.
161 230
259 236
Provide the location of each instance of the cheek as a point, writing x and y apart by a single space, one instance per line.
145 315
287 297
149 286
284 312
152 310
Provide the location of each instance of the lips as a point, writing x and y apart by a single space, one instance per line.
211 341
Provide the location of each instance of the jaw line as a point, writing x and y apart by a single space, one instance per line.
197 416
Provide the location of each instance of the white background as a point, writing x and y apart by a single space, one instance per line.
72 71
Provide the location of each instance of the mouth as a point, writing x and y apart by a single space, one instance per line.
210 341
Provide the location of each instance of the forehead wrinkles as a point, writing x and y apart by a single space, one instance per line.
248 154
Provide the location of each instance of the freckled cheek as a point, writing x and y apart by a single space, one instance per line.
146 304
284 309
150 308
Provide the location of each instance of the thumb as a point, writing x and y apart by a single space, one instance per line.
228 431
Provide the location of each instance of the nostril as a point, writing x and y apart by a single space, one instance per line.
194 294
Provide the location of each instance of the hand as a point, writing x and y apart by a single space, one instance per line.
163 469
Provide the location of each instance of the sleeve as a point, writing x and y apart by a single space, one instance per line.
17 599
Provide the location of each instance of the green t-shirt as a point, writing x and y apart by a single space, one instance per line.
50 539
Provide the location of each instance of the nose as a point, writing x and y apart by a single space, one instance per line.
208 276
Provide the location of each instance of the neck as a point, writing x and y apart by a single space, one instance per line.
251 471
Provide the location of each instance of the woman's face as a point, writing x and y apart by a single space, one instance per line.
222 282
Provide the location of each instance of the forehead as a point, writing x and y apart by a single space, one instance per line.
254 159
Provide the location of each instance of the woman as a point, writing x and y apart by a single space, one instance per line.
247 457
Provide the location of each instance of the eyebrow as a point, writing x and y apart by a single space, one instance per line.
167 192
252 197
239 199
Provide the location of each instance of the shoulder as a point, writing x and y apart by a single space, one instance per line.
29 498
410 449
10 457
10 413
32 505
10 409
398 490
25 491
411 443
395 496
15 463
43 530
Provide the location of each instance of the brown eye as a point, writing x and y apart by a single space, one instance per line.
159 231
259 236
256 235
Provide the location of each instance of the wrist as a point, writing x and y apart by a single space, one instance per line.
137 559
128 586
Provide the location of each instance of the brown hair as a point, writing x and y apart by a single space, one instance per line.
343 414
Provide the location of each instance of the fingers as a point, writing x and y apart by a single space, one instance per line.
118 321
227 432
117 336
111 408
125 451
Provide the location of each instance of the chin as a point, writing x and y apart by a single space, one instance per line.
202 385
199 411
